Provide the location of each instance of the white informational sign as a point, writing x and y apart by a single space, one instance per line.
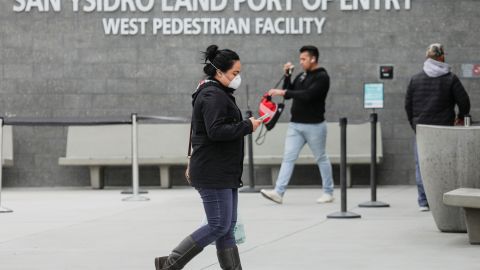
471 70
373 96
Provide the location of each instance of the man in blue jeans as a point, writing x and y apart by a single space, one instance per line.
432 95
307 125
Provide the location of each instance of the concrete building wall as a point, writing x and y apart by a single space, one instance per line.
57 64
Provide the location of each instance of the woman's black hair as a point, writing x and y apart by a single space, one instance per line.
221 59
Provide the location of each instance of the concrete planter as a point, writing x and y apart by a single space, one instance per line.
449 159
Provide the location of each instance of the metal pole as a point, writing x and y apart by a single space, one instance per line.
373 157
135 155
251 172
373 165
343 174
251 166
2 209
135 181
343 163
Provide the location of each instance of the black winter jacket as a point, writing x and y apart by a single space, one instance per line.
218 131
309 91
432 101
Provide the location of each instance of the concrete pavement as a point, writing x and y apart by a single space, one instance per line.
70 229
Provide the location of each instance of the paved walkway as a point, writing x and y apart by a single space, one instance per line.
70 229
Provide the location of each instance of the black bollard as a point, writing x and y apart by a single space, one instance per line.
343 174
251 169
373 167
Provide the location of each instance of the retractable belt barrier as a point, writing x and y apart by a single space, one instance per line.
343 175
86 121
373 167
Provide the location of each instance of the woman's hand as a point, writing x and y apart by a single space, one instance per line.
255 123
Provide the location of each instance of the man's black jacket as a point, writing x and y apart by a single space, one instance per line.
218 131
309 91
432 100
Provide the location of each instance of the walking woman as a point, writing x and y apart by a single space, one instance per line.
216 165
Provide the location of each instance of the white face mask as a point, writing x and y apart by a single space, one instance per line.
235 83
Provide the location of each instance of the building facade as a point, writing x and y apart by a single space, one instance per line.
112 58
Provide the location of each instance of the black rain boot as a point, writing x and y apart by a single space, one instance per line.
180 256
229 259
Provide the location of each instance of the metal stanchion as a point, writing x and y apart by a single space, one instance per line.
343 174
135 181
251 169
2 209
251 166
154 117
373 167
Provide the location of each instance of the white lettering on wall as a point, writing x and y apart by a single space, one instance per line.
218 6
196 26
257 6
169 25
288 5
193 5
377 4
236 4
145 7
317 4
355 4
39 5
291 26
260 5
389 3
408 4
125 26
113 5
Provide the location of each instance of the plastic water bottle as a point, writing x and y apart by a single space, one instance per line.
239 232
467 120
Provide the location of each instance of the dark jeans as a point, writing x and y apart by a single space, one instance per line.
422 198
221 209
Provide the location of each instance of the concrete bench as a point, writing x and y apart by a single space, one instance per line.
160 145
358 147
7 153
165 145
469 200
